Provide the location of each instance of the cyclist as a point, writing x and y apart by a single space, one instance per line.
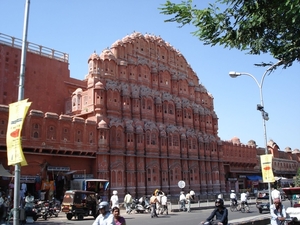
244 198
233 197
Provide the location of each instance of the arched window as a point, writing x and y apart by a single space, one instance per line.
149 104
35 130
171 110
148 138
153 139
175 140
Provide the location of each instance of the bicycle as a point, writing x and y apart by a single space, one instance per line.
244 207
234 206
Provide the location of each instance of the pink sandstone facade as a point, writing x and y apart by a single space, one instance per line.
140 119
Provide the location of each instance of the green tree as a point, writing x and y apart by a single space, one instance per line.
297 178
255 26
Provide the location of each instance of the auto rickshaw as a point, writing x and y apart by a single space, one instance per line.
79 204
262 201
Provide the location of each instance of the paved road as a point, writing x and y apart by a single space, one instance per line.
195 217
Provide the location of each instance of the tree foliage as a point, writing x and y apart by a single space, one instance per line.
255 26
297 178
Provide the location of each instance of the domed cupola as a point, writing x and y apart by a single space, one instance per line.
102 125
94 64
108 55
235 140
99 85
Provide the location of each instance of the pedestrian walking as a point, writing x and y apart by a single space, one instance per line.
182 201
114 199
128 202
153 201
188 199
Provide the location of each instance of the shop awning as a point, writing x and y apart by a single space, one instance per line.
4 173
254 177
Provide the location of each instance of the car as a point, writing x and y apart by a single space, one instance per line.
79 204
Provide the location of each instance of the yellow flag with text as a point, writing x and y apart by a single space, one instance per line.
17 114
266 168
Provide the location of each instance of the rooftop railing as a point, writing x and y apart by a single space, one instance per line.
34 48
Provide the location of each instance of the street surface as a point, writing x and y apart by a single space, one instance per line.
194 217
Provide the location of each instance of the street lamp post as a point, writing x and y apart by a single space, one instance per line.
260 107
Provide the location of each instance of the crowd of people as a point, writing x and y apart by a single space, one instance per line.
110 211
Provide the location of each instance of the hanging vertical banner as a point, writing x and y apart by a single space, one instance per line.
266 168
17 113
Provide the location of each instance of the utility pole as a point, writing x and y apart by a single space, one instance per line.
20 97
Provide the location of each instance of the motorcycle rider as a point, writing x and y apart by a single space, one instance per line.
29 202
233 197
105 217
220 212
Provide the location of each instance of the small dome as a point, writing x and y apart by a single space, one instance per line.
252 143
235 140
93 56
107 54
78 91
136 35
102 124
99 85
295 151
287 149
117 43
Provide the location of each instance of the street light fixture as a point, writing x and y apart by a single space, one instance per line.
260 107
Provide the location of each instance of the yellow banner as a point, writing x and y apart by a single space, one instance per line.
266 168
17 113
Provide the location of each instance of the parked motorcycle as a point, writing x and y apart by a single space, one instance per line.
30 212
137 207
53 208
41 209
146 204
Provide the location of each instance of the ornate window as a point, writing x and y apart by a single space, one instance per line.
51 133
35 130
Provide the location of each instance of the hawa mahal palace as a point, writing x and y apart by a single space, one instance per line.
139 118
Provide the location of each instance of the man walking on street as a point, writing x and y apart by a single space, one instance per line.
127 202
153 201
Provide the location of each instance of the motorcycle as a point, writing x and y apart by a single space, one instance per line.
53 208
30 211
41 209
145 203
137 207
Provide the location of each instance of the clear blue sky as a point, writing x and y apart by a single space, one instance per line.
81 27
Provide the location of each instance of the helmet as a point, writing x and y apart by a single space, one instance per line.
220 202
232 191
104 205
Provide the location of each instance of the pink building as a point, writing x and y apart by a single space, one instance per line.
140 119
